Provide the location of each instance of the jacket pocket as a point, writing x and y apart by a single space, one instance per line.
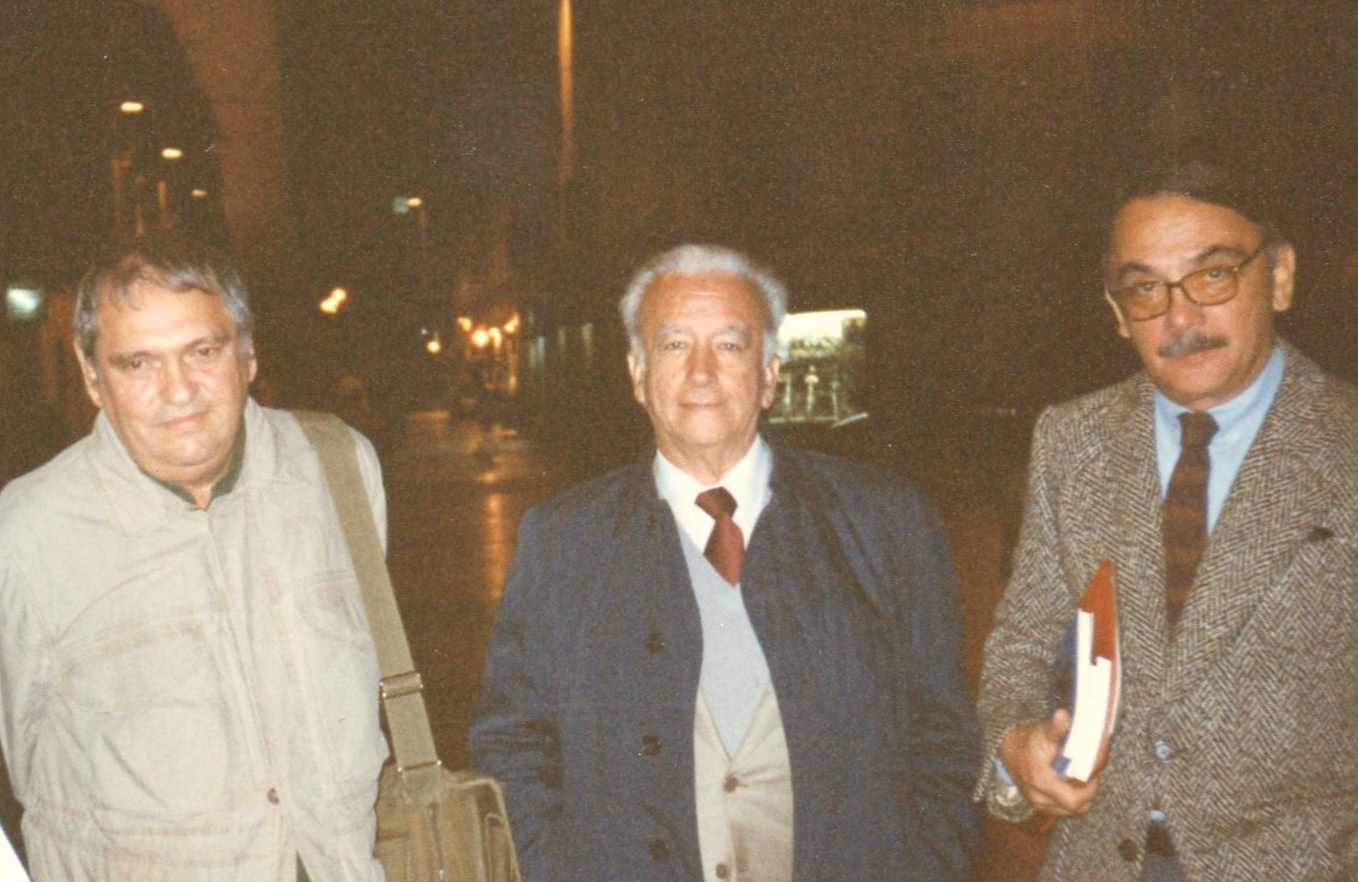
341 670
151 711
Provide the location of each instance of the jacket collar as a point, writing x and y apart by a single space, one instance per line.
140 503
790 479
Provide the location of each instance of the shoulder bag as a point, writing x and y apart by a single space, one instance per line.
433 825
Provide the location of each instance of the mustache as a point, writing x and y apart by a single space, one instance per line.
1187 344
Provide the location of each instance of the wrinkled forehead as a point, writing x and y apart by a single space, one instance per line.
1170 229
675 293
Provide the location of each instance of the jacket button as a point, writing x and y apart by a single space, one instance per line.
660 850
723 871
1164 752
655 642
1127 849
730 784
272 796
650 745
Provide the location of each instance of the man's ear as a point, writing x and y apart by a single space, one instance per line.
248 350
770 382
88 374
637 371
1117 315
1284 277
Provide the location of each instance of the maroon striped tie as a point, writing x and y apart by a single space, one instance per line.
1183 518
726 545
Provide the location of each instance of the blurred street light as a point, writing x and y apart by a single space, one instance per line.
334 301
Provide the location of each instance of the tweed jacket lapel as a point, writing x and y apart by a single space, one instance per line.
1278 496
1132 538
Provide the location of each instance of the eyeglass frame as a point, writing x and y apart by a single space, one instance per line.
1112 294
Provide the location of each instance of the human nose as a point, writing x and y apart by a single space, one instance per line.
1183 310
702 363
177 384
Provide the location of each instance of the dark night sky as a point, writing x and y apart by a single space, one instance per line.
943 164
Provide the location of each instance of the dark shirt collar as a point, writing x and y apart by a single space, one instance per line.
225 484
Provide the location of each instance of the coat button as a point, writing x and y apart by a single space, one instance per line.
655 642
1127 850
659 849
730 784
1164 752
272 796
650 745
723 871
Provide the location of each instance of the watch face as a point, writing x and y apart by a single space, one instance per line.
1008 796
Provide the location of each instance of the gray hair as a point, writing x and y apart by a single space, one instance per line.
166 260
696 260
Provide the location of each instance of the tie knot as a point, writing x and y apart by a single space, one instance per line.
717 502
1198 428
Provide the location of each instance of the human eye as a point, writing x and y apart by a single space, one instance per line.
205 353
135 365
1141 288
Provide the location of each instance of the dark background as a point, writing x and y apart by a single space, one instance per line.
945 165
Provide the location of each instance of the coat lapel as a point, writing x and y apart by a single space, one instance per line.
1133 535
1278 495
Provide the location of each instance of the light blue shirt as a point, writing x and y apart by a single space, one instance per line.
1238 422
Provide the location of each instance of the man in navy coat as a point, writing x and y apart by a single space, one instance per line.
761 687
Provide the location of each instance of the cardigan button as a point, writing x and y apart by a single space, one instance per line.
730 784
723 871
659 849
650 745
272 796
1127 850
655 643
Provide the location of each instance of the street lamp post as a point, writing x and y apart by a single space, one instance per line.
165 216
121 163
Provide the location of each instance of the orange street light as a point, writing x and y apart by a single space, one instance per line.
332 303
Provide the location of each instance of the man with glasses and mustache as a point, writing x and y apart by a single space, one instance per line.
1222 484
188 687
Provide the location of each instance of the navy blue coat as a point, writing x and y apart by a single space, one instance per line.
587 709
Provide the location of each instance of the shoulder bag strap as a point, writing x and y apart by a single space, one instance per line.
412 738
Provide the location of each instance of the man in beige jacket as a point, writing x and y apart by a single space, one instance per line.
188 686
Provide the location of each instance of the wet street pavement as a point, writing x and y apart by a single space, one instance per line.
455 496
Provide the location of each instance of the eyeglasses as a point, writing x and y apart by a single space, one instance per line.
1209 286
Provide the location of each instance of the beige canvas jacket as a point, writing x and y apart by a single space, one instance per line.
188 694
1245 730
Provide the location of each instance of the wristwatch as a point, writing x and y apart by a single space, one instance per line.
1007 793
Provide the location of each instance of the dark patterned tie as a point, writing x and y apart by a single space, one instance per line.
726 545
1183 519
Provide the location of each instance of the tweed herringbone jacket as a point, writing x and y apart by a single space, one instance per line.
1245 729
